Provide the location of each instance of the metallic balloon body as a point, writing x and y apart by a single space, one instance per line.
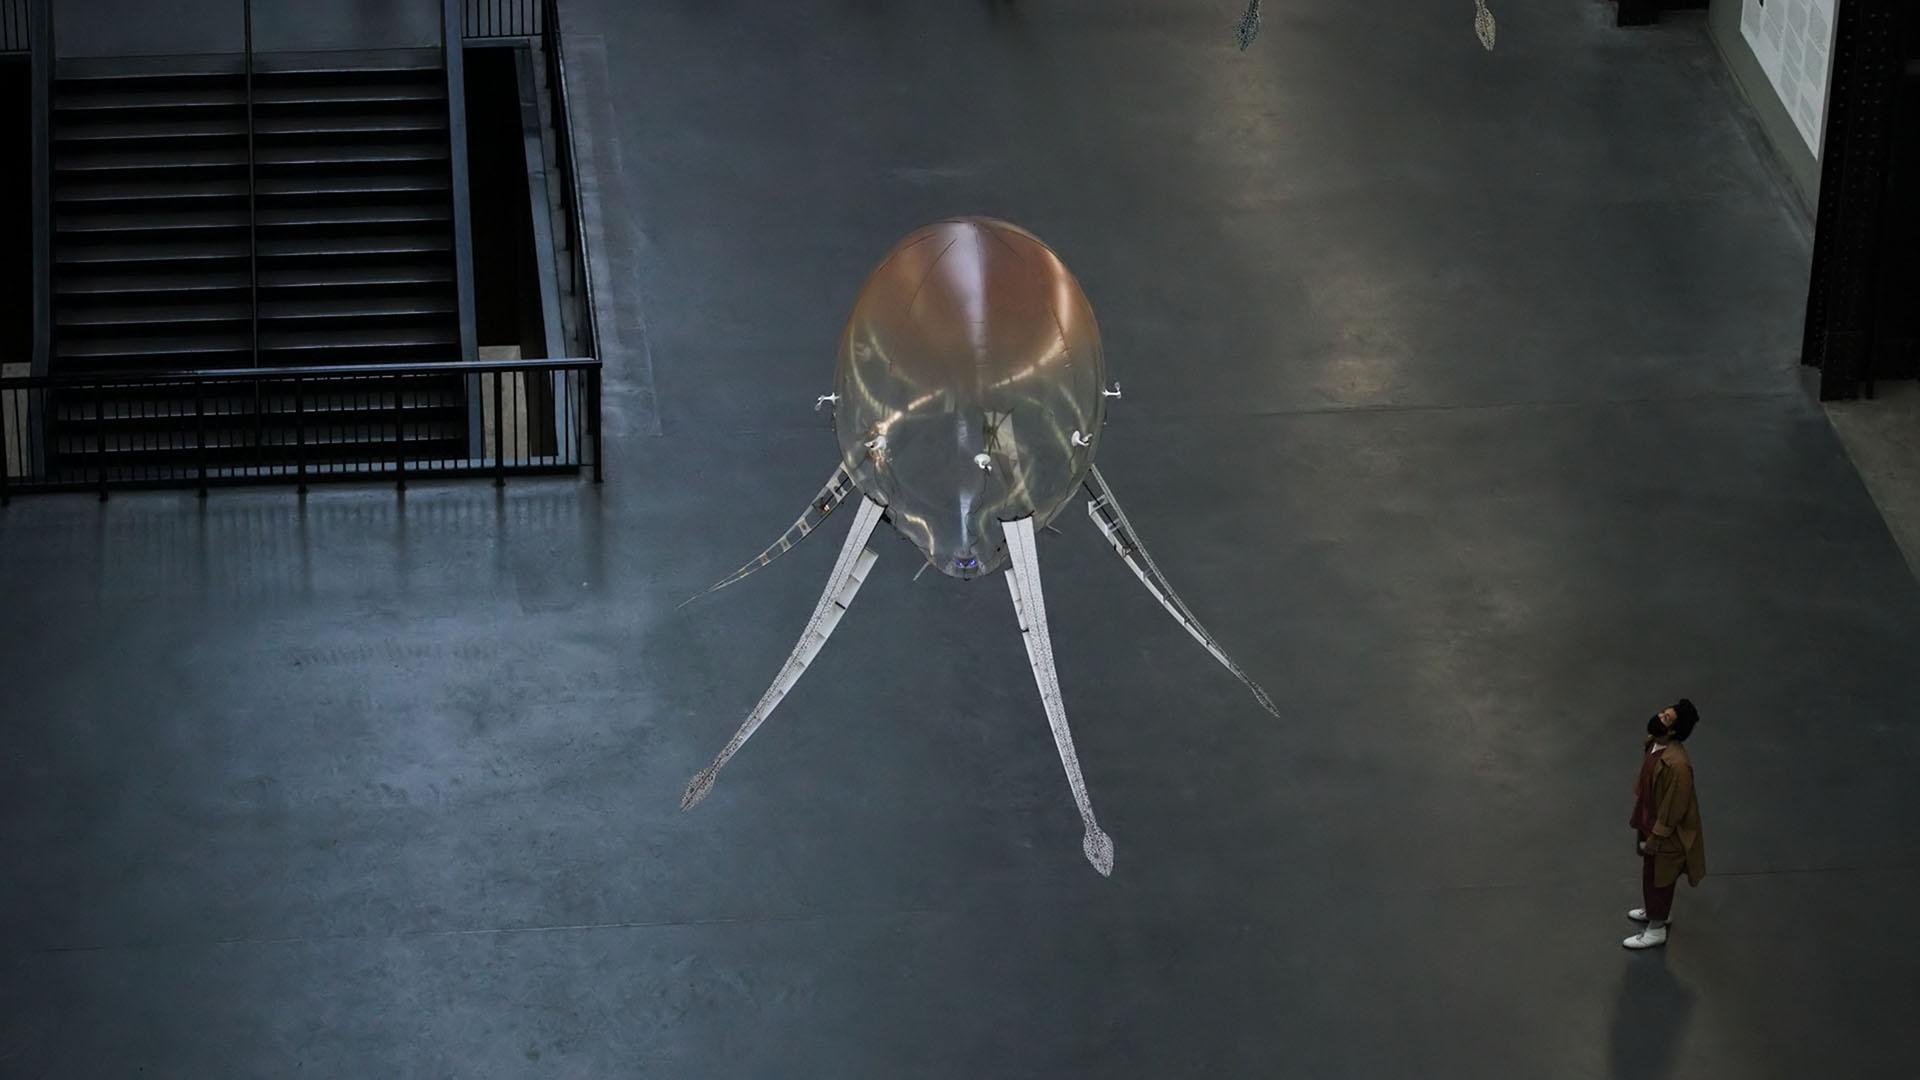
969 388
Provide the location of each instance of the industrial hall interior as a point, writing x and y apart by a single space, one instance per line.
733 539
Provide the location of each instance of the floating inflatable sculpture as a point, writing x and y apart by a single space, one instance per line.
969 402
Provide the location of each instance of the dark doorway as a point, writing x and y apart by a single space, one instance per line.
506 269
16 214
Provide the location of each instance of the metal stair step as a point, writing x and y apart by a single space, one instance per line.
360 354
151 129
179 159
369 307
354 216
412 154
103 319
349 186
387 246
365 337
317 70
170 252
172 223
109 286
115 192
355 125
126 346
107 73
321 278
370 93
209 96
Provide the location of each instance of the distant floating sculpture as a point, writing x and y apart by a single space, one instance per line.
1249 27
969 402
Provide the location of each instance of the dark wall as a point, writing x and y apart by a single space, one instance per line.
147 28
183 27
1897 330
1723 21
318 25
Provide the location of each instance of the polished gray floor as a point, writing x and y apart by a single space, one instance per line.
1460 400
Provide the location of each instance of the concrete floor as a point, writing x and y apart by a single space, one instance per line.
1460 402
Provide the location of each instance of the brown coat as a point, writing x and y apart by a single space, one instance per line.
1676 842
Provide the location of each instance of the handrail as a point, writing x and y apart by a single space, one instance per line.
310 371
392 422
553 41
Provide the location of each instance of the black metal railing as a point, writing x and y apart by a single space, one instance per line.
561 120
16 26
195 429
504 18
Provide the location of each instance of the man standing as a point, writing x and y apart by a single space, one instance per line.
1666 819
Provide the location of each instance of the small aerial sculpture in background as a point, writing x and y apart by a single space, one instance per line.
1248 27
969 401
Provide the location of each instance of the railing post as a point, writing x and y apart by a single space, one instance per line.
299 437
259 429
100 442
599 443
399 439
200 431
499 432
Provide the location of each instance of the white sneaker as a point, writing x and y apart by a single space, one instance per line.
1638 914
1651 937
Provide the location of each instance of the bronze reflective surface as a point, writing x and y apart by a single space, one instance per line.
969 387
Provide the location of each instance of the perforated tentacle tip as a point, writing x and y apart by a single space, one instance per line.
1266 702
1099 848
697 789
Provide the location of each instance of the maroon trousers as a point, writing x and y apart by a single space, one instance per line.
1659 901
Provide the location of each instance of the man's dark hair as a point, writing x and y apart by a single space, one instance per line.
1684 717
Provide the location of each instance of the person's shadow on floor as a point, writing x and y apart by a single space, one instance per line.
1650 1017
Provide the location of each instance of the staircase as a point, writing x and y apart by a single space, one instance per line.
151 241
355 216
155 261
